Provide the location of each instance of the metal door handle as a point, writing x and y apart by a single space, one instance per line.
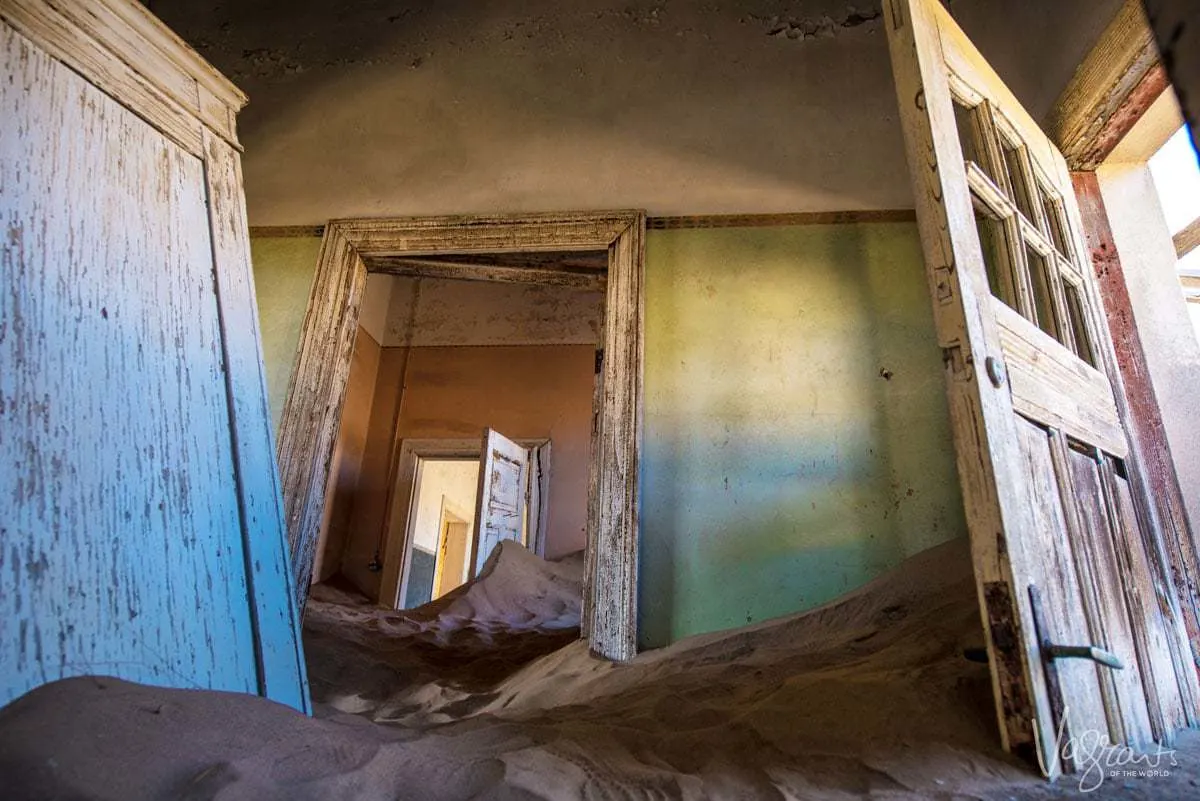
1098 655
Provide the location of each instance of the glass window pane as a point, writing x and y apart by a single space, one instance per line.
967 137
1043 294
1016 178
1054 221
994 244
1075 311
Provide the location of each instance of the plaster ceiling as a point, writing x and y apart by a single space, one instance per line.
384 107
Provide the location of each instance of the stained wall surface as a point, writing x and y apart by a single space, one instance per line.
1169 340
283 272
797 440
399 107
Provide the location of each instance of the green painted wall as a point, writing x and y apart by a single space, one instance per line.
797 440
283 272
797 437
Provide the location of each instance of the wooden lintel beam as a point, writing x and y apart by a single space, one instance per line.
1188 239
1113 86
466 271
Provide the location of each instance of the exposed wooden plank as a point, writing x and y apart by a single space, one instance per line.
1114 84
1101 579
1145 596
615 580
592 262
119 511
465 271
1055 573
1054 688
448 235
1162 489
1051 384
281 669
1188 239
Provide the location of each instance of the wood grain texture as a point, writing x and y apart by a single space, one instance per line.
1114 84
989 461
1055 573
465 271
121 523
1102 578
352 248
121 48
1146 598
281 668
1051 384
614 581
1188 239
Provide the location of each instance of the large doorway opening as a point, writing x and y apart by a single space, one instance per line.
526 249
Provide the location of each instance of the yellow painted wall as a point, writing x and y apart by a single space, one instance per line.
283 272
797 439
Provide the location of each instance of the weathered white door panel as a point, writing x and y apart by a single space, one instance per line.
503 495
140 523
1031 380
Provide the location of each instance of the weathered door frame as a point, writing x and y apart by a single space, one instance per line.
394 582
351 249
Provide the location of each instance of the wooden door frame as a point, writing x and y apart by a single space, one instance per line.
351 249
402 493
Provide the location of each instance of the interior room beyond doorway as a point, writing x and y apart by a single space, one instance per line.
438 360
442 514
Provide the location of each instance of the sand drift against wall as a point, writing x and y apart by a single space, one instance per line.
869 696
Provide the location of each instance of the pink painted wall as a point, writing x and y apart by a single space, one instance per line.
523 391
345 473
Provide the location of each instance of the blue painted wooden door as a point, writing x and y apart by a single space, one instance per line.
134 541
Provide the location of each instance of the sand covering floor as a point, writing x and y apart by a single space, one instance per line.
486 694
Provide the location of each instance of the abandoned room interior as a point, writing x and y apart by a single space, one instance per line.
605 399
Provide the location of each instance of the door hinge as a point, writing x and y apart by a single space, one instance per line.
943 283
960 365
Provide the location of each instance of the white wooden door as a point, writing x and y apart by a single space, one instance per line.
503 496
1068 568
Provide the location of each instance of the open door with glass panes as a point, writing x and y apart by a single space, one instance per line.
1084 637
